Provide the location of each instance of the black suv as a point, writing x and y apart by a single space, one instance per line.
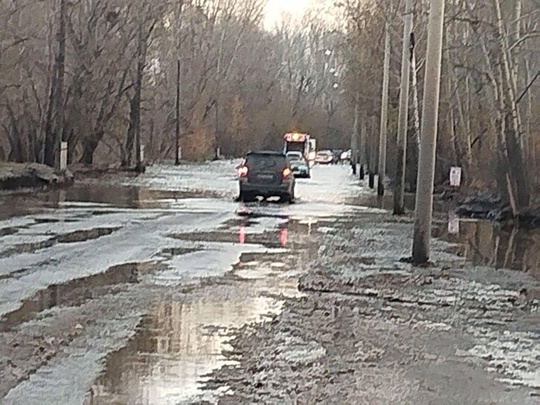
266 174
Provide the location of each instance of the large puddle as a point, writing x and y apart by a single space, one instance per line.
486 243
183 339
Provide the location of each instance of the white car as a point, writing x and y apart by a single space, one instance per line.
347 155
324 157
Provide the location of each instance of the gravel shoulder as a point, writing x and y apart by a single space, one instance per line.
370 328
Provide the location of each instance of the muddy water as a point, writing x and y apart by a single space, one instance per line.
489 244
113 195
482 242
183 338
76 292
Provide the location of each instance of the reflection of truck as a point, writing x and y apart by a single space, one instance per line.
297 142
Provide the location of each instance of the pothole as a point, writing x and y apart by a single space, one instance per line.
177 251
77 292
28 247
8 231
72 237
85 235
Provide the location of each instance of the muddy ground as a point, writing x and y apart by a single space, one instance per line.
369 328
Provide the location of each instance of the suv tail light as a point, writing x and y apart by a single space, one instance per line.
243 171
286 173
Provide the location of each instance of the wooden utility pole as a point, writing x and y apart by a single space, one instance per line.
136 116
384 111
178 114
363 152
218 95
428 143
59 94
403 118
354 137
372 154
178 86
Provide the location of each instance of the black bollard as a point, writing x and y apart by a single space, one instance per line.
371 180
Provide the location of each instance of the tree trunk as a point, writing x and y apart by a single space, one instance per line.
514 152
89 148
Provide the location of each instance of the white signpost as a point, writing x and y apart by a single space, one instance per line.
63 155
453 224
142 153
455 176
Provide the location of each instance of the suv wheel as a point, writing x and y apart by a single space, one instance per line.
246 196
289 198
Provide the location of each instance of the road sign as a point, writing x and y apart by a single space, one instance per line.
455 176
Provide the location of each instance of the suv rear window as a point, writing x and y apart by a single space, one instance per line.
294 156
262 161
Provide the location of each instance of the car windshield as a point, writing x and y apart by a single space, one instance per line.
265 161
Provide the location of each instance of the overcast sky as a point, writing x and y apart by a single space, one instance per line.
276 8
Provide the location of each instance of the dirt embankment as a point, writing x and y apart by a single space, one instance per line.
15 176
372 329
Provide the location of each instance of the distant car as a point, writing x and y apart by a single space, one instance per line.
299 165
324 157
266 174
346 156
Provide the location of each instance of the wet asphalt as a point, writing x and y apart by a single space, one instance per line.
125 290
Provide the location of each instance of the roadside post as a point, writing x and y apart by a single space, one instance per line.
63 155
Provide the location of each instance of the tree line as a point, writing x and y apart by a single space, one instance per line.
489 111
105 75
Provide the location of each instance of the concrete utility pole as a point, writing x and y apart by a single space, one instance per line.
403 119
428 133
384 111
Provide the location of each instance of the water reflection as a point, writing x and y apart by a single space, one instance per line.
245 237
485 243
177 343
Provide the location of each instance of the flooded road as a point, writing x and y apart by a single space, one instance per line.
129 290
138 281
